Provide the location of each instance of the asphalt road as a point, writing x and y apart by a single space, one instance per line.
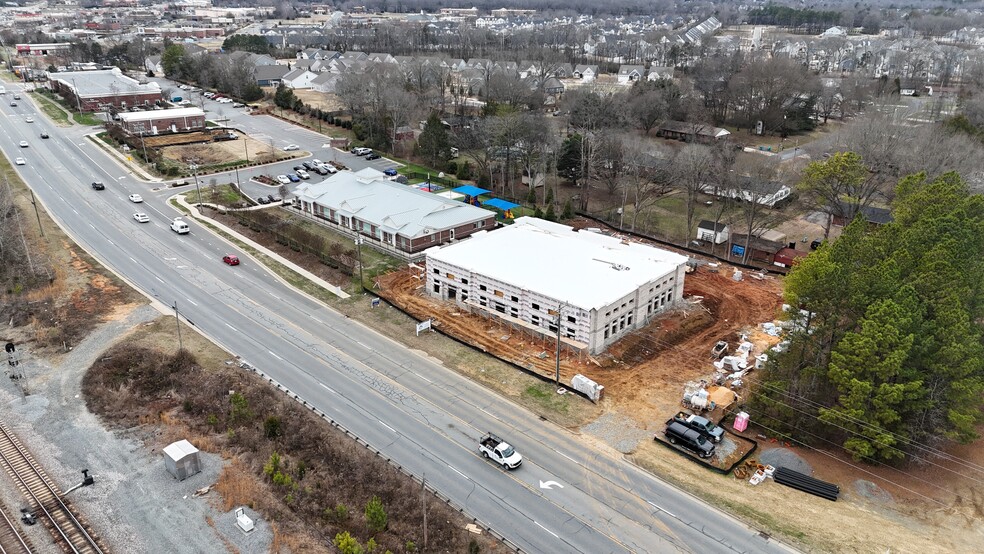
426 418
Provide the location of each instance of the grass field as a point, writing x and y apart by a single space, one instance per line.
52 110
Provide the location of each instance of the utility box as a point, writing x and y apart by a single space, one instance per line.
243 521
181 460
593 390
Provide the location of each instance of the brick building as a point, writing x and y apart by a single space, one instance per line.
155 122
93 91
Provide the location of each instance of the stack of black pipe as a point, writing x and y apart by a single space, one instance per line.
805 483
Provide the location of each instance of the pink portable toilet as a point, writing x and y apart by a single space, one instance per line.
741 422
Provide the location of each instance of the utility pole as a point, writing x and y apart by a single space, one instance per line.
34 202
177 322
194 172
78 101
423 506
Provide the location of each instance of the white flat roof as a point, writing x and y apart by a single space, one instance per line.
180 449
584 269
161 114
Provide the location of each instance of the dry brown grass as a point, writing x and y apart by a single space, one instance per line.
238 486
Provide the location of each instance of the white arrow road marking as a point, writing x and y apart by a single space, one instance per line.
550 485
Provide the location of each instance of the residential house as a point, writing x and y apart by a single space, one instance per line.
657 73
680 130
325 82
270 75
553 86
748 189
585 72
153 65
875 216
630 74
759 249
299 79
378 57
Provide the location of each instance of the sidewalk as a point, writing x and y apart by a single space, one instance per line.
280 259
138 171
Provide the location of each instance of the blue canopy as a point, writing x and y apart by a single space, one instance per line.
500 204
469 190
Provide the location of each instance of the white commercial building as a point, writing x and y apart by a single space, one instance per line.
531 271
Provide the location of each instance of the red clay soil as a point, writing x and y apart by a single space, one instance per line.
644 373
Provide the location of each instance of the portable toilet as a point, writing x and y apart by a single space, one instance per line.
181 460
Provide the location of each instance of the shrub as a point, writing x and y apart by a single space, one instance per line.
464 171
271 427
347 544
376 517
240 408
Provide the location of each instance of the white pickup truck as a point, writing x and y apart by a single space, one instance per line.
499 451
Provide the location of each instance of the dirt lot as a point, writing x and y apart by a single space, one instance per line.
228 150
315 99
644 373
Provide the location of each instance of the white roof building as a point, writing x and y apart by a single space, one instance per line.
601 286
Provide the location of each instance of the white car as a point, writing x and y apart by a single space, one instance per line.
329 168
225 100
23 144
20 161
303 174
141 217
291 148
282 179
183 87
136 198
29 119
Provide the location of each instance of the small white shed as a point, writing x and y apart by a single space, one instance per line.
712 232
181 460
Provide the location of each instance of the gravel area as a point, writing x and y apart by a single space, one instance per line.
871 491
784 457
134 505
620 432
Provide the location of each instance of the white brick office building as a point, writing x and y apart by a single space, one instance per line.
524 273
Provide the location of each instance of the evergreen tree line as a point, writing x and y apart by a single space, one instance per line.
887 357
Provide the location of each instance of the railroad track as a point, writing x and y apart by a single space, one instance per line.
11 541
45 497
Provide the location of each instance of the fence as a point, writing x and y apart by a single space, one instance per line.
302 241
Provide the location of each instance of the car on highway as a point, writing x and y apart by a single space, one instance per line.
229 259
20 161
16 96
141 217
390 172
283 179
262 199
98 185
135 198
361 151
44 134
29 119
373 156
23 144
291 148
293 178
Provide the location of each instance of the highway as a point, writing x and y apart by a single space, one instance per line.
416 412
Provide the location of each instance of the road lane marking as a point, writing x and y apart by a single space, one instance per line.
192 301
158 278
568 457
329 389
425 378
456 471
667 512
386 426
547 530
275 356
231 327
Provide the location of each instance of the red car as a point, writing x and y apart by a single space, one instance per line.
230 260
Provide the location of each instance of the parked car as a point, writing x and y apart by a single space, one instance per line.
700 424
308 166
98 185
229 259
283 179
293 178
678 433
263 200
316 161
299 168
303 174
238 105
271 199
815 244
141 217
44 134
291 148
135 198
19 161
373 156
391 172
361 151
329 168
